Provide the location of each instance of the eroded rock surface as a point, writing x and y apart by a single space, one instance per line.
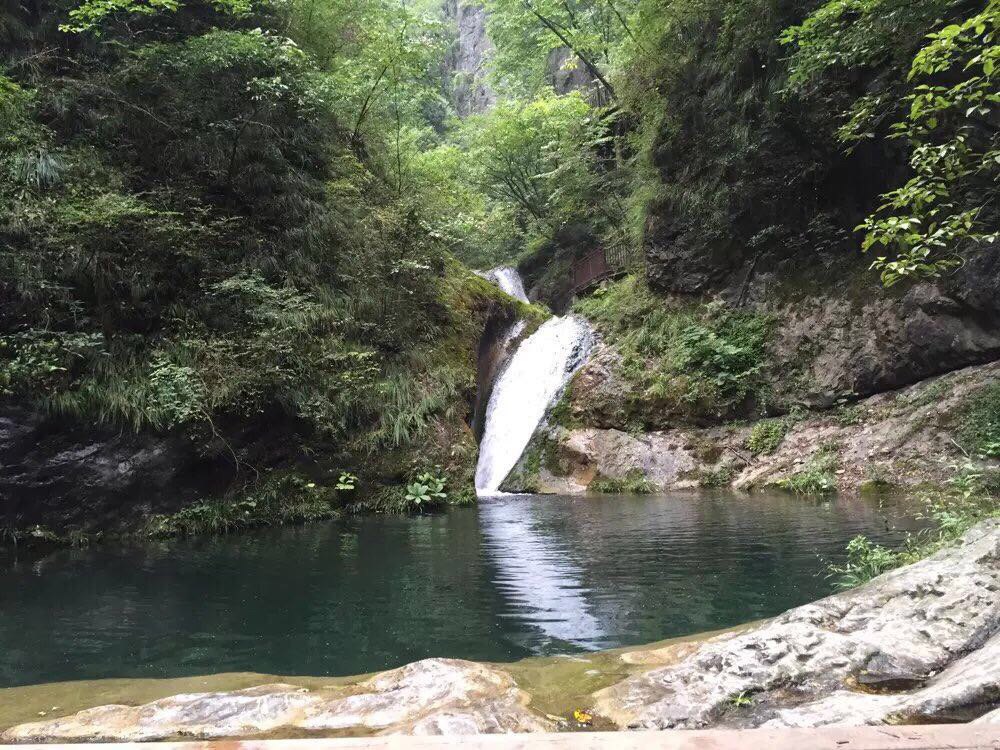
902 438
433 696
916 644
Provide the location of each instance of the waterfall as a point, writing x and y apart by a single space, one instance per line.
509 280
532 380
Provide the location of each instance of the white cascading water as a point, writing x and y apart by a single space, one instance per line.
509 280
532 380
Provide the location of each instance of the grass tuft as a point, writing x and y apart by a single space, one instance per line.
633 483
766 436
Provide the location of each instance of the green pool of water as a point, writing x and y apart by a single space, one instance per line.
514 577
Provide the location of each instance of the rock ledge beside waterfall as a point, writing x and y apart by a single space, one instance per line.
892 438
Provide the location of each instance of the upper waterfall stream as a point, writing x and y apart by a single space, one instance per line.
532 380
509 280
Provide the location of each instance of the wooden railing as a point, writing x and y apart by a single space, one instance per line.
604 263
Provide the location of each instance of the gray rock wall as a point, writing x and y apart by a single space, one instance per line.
465 65
67 475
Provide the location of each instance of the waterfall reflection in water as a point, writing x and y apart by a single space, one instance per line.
536 573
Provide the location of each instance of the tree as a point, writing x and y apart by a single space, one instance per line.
526 32
951 205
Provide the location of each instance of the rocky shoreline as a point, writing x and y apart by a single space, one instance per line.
918 644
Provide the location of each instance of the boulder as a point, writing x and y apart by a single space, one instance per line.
903 438
923 638
433 696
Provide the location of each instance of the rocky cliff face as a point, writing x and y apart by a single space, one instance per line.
853 337
565 72
901 439
68 475
465 65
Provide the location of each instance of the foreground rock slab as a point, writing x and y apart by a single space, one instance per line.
918 644
434 696
937 737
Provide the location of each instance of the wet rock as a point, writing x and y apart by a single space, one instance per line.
937 618
889 673
663 459
960 692
849 348
993 717
66 474
598 397
434 696
234 714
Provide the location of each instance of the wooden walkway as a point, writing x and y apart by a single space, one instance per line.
603 263
940 737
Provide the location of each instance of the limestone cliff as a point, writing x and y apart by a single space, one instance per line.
465 64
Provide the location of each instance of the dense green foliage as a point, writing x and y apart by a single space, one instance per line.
751 132
585 35
209 217
952 93
222 213
693 362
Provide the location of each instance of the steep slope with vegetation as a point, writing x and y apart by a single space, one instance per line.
814 188
218 279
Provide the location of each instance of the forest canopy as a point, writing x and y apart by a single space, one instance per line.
214 208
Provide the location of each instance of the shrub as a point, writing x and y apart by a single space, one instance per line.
633 483
970 496
724 353
176 393
817 477
865 560
426 492
766 436
720 477
346 482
